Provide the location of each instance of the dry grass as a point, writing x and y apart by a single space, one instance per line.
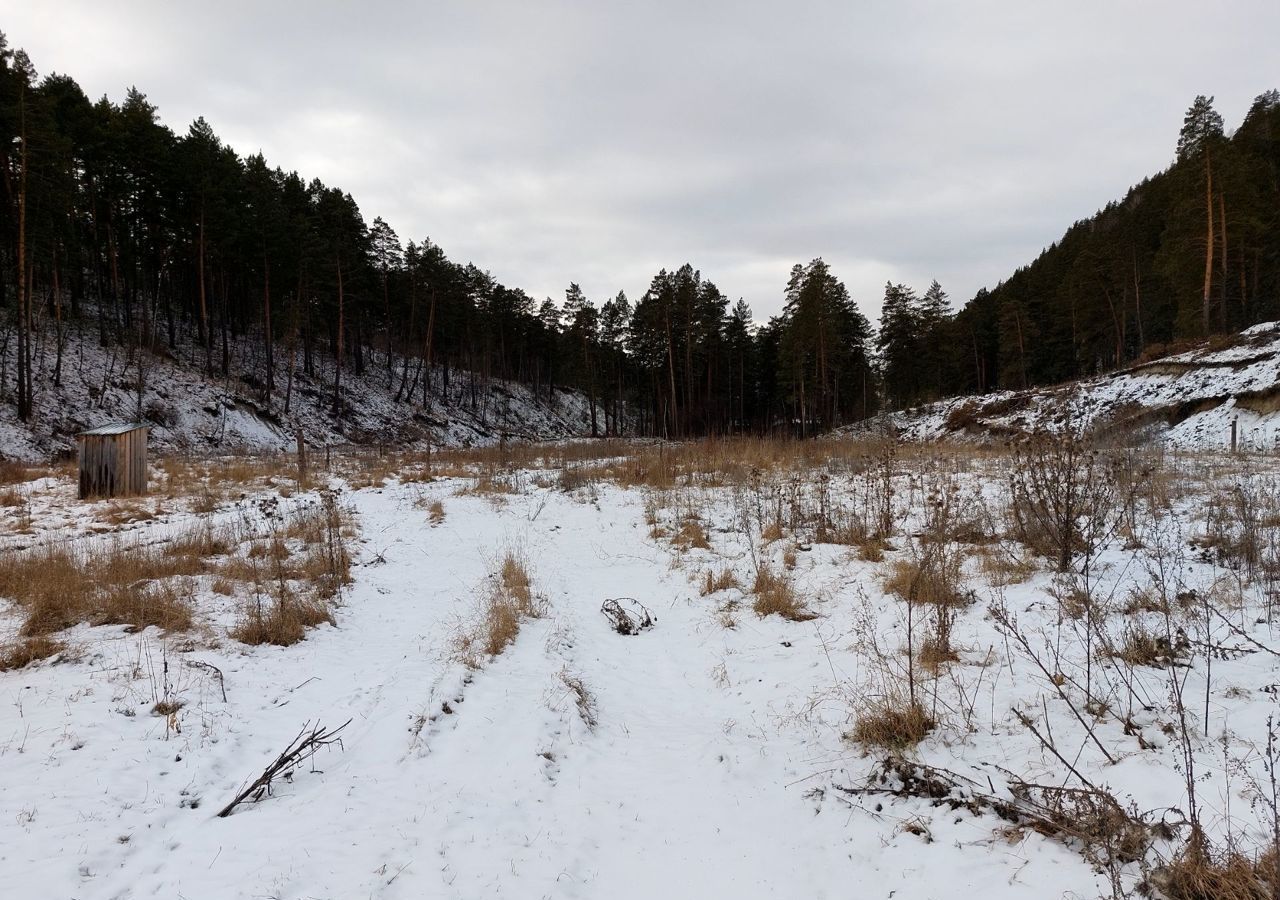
1003 568
106 585
691 536
713 582
776 596
925 581
206 483
14 472
435 513
933 654
24 651
510 601
1200 873
281 620
122 512
103 582
294 591
872 549
495 486
893 723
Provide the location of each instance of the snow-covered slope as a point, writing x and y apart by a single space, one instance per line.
188 410
1187 400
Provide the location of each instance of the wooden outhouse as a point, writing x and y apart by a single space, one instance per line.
113 460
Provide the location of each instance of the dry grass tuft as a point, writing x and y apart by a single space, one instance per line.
775 595
104 585
435 513
1003 567
282 620
510 601
872 549
691 536
24 651
772 532
1199 873
293 592
713 581
925 582
14 472
933 654
893 723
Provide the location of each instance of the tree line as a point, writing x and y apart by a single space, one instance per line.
163 243
1191 252
174 244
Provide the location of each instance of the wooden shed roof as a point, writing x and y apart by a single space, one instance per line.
121 428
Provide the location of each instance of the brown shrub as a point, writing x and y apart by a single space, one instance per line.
775 595
1003 567
509 602
691 536
893 723
24 651
1201 873
282 620
929 580
713 582
141 605
962 416
435 512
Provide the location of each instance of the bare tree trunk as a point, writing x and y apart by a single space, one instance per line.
1208 246
1137 300
57 312
1222 233
337 372
205 337
266 328
431 331
24 300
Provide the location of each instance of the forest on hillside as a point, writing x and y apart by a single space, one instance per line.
172 243
1191 252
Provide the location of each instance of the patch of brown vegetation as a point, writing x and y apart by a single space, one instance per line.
925 581
713 582
893 723
776 596
435 513
691 536
104 585
509 602
24 651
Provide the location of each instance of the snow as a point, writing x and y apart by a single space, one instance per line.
191 412
714 768
1186 400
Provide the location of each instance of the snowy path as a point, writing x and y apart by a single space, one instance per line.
693 783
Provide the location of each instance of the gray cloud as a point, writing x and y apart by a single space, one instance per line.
597 142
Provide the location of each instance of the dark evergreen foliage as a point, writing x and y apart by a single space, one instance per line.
173 244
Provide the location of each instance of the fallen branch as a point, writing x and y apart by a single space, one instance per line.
308 742
201 664
1105 832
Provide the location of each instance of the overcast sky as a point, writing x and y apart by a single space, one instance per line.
598 142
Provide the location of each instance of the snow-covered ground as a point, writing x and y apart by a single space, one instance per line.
1187 400
714 759
190 411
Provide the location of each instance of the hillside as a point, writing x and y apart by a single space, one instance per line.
1187 399
189 411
